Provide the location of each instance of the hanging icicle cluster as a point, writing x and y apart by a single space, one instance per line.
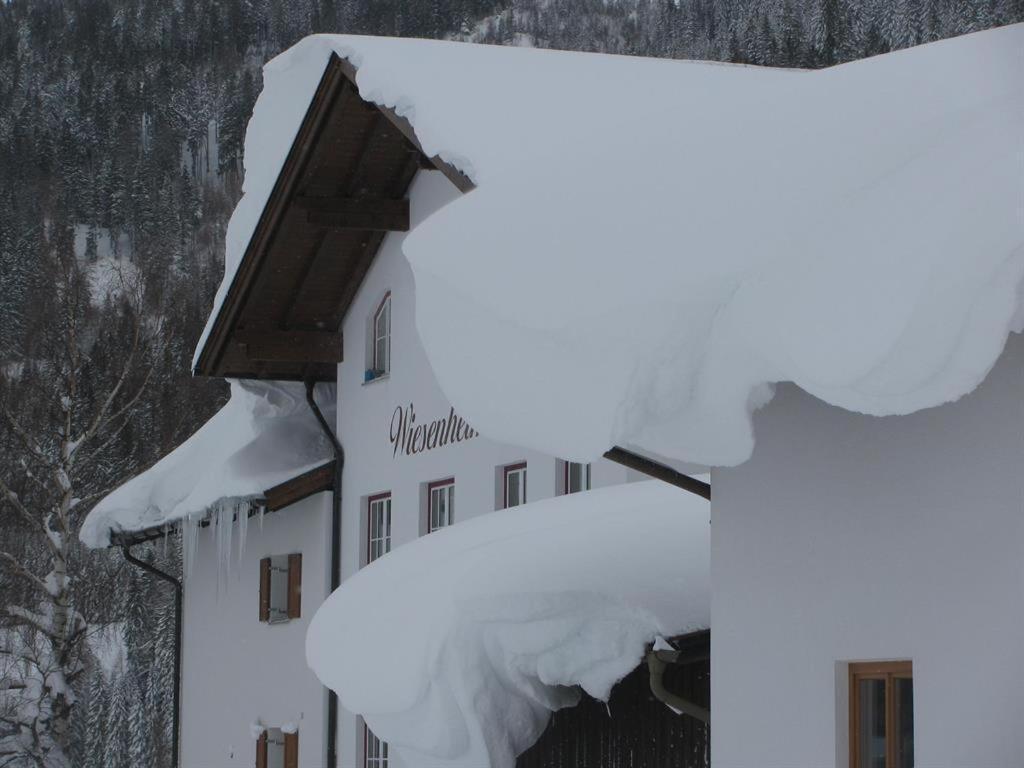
224 517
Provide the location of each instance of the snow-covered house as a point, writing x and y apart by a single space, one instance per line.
337 445
584 252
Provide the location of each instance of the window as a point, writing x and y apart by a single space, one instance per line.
378 541
577 477
515 485
382 337
277 749
881 715
440 504
280 588
375 750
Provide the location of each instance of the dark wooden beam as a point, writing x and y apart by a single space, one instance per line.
462 182
298 488
659 471
356 213
291 346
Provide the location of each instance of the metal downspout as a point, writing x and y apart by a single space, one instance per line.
339 464
148 567
657 662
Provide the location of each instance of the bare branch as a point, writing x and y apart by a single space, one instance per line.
34 449
6 494
18 569
101 416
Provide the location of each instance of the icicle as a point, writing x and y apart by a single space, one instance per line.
223 516
242 508
189 543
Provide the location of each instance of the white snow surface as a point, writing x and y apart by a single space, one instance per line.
658 242
456 647
264 435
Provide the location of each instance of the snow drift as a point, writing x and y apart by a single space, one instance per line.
456 647
655 243
264 435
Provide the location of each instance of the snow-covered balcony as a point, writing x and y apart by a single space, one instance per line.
457 647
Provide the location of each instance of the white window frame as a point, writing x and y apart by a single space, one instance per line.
517 471
584 476
381 337
378 526
375 750
440 504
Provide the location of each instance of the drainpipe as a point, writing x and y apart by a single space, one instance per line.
339 464
657 662
176 583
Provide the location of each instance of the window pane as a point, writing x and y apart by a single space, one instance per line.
904 702
871 739
512 481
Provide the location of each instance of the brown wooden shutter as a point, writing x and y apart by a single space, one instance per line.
261 751
291 743
294 586
265 589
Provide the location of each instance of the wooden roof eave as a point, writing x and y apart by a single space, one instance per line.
306 354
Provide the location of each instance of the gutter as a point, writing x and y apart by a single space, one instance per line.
659 471
339 465
176 583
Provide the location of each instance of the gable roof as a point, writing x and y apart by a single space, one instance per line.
341 188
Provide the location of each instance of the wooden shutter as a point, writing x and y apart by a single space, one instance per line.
265 590
261 751
291 743
294 586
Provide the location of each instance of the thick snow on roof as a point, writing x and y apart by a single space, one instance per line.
264 435
654 243
456 647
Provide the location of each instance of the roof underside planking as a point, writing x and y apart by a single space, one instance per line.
342 188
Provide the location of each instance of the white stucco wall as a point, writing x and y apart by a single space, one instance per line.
365 412
237 670
848 538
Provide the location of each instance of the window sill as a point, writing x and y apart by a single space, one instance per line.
375 379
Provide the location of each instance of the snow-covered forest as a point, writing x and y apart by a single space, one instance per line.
121 130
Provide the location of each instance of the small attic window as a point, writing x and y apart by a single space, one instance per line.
280 588
381 364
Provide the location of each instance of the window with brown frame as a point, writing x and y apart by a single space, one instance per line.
280 588
440 504
514 484
378 529
881 715
576 477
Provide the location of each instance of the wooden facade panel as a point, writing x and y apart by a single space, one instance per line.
634 730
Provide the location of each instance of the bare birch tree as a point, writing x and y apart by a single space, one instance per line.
58 420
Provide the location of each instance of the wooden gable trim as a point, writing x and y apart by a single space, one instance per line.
356 213
292 346
376 217
332 85
461 181
300 487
